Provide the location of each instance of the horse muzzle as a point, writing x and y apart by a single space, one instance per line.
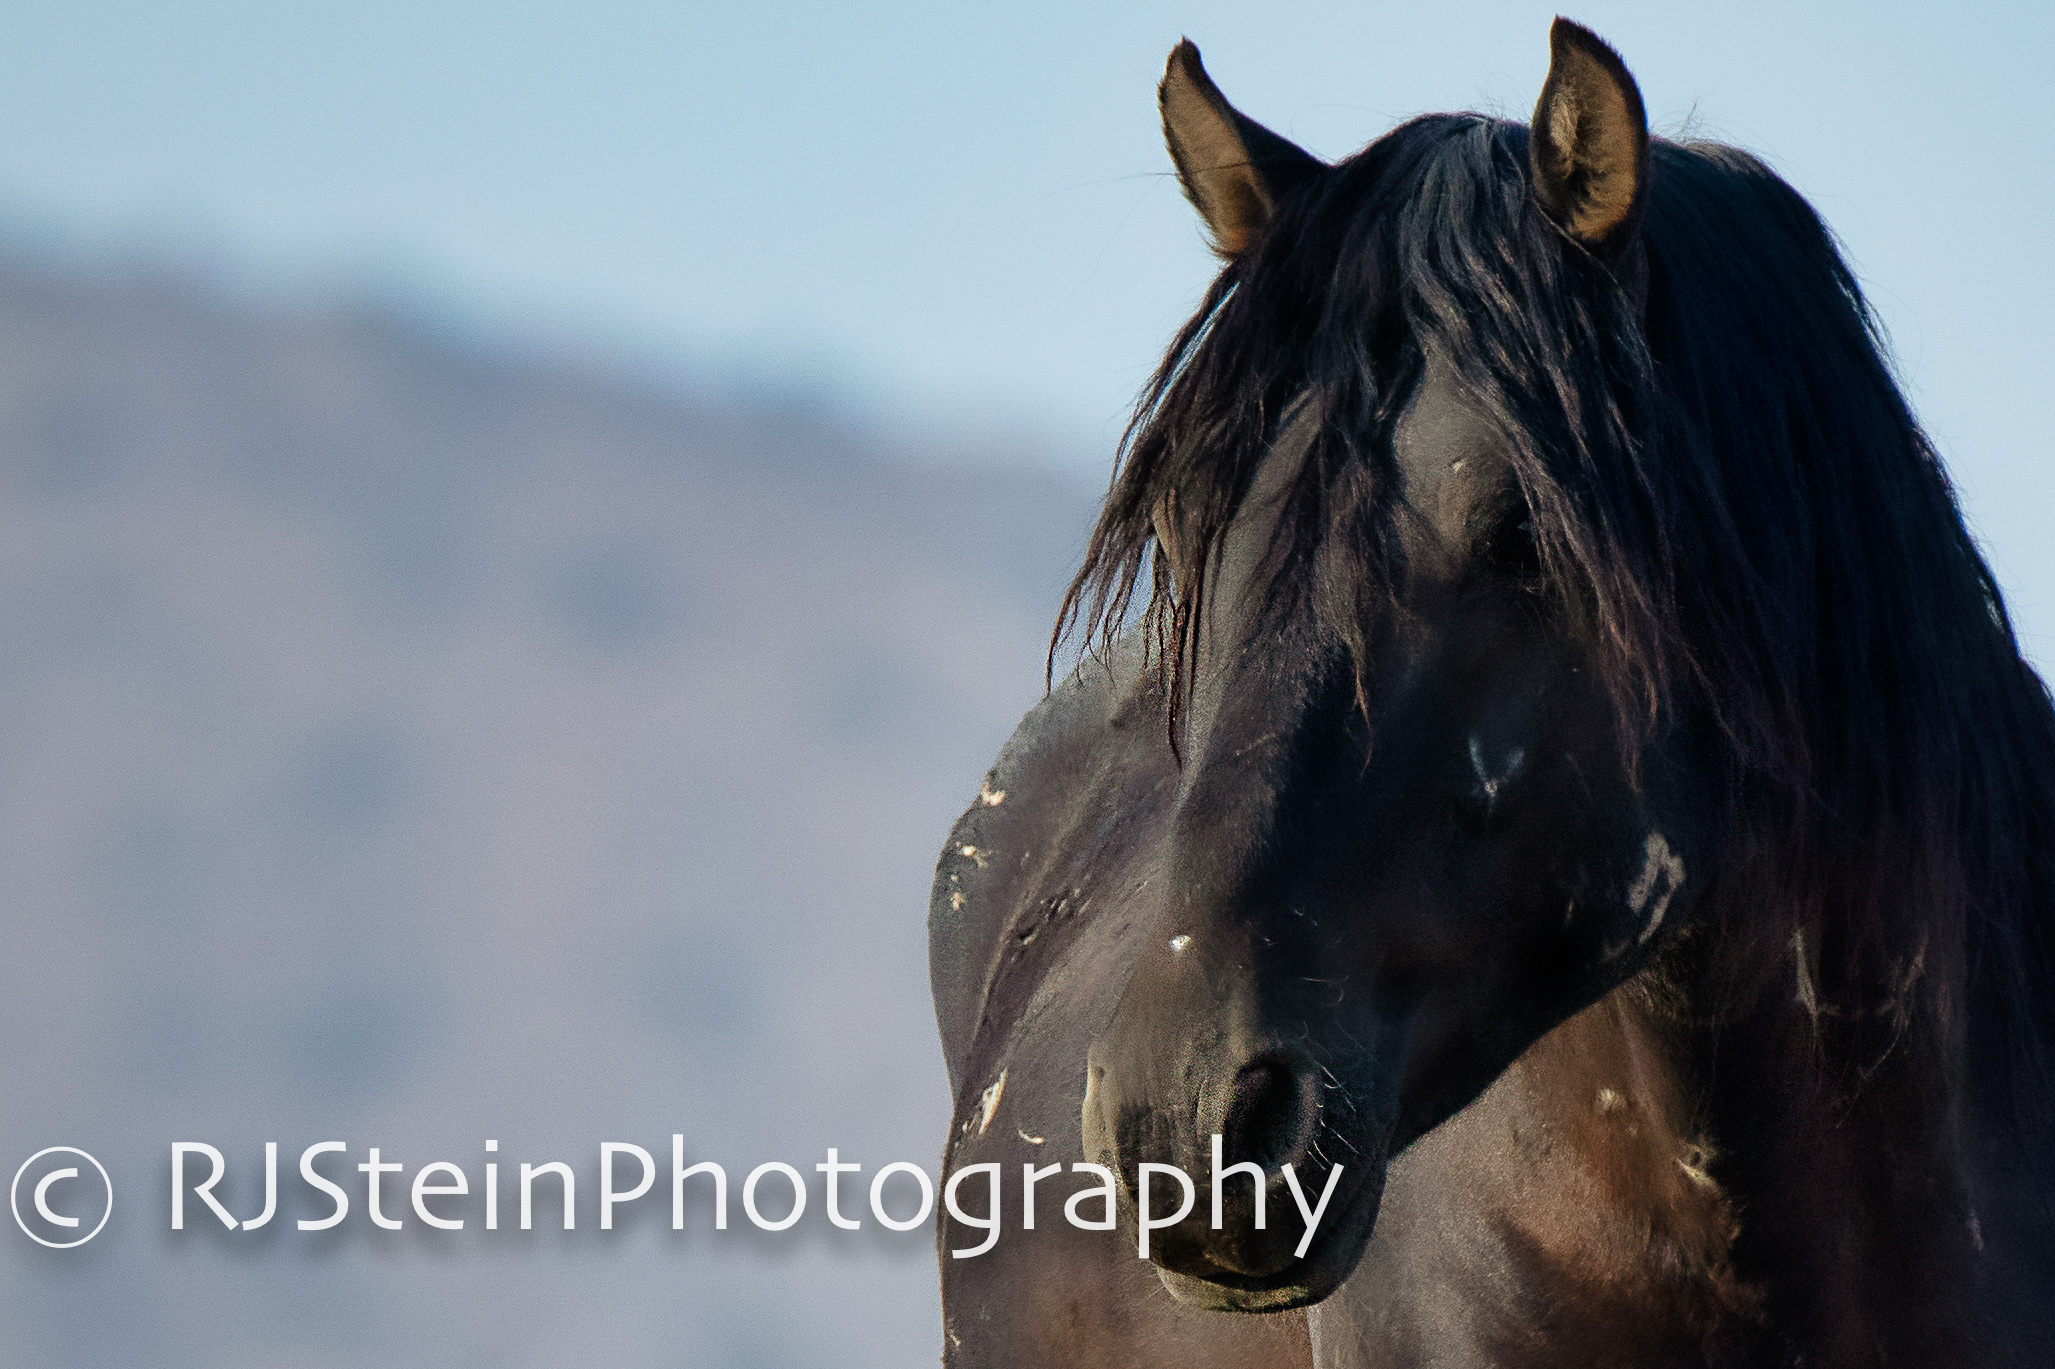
1264 1160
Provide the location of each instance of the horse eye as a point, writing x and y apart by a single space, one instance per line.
1511 548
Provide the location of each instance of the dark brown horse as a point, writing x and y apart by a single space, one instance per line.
1555 819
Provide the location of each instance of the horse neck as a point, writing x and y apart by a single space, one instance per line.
1827 1076
1571 1209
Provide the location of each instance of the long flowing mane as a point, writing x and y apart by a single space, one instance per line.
1734 507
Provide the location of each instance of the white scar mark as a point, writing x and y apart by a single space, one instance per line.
989 796
989 1104
1179 942
973 853
1695 1162
1489 782
1031 1140
1808 994
1662 875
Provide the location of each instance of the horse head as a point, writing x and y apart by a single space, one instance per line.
1424 814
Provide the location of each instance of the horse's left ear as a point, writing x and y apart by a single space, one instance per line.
1589 144
1233 168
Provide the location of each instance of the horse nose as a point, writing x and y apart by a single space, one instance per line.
1273 1112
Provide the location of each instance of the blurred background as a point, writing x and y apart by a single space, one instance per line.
522 524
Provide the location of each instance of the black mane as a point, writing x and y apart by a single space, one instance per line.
1734 507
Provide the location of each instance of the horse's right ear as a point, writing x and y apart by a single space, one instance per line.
1233 169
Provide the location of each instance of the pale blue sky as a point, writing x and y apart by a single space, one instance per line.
960 211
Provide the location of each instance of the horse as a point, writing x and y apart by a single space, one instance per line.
1548 775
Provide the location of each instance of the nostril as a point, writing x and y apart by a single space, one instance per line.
1271 1113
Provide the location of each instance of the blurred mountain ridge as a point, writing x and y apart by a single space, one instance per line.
412 741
